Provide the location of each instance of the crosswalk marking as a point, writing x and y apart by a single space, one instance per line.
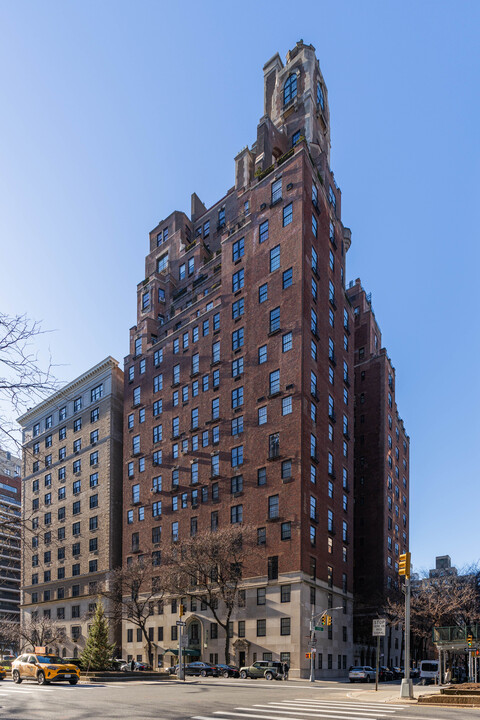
307 709
350 703
315 709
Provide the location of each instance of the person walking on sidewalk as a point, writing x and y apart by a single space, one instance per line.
285 668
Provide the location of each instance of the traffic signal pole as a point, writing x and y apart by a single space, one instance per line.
406 688
313 618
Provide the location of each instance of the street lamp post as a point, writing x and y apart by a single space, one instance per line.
313 618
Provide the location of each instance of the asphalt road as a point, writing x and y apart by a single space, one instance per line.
214 699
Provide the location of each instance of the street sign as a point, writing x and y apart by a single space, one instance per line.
312 642
379 626
318 628
184 641
181 623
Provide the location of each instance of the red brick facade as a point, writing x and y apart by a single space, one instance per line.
219 400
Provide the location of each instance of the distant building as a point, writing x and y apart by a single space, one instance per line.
72 500
10 465
381 483
443 567
10 537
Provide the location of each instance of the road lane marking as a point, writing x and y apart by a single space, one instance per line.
313 709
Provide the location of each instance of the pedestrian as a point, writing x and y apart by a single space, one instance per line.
285 668
132 665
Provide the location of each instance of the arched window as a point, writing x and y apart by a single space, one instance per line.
290 88
320 96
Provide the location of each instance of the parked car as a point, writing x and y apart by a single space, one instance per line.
263 668
117 663
3 673
44 669
414 673
127 667
228 671
385 674
201 668
362 673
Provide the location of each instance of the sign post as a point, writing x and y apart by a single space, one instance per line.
181 644
379 626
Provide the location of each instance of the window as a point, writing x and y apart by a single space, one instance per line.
261 476
314 260
237 456
263 293
287 278
136 396
263 230
262 415
276 189
237 367
274 446
238 308
93 501
273 507
221 218
261 628
275 258
162 262
274 382
215 466
236 514
237 397
97 392
261 536
237 425
95 414
238 280
237 338
314 225
287 342
273 567
238 249
262 354
285 626
313 321
286 469
288 214
274 323
286 532
216 352
62 414
290 88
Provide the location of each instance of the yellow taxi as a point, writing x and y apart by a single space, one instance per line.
43 668
3 673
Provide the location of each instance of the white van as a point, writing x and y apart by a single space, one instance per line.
428 672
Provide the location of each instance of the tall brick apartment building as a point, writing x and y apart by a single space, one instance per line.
72 500
239 387
381 483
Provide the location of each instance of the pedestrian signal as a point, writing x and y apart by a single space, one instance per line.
308 655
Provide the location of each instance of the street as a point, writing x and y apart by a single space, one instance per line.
214 699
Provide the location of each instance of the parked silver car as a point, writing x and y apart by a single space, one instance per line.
362 673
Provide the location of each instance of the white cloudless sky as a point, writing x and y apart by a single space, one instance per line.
114 112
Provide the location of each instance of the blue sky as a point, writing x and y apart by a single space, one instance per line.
114 112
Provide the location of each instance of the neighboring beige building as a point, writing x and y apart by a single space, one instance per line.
9 464
72 500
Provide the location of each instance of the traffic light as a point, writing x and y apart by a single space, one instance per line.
323 620
181 610
404 565
329 619
469 640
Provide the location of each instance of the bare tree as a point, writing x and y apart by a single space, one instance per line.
9 634
445 600
23 382
40 630
133 592
208 567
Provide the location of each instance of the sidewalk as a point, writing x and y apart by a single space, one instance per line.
391 694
